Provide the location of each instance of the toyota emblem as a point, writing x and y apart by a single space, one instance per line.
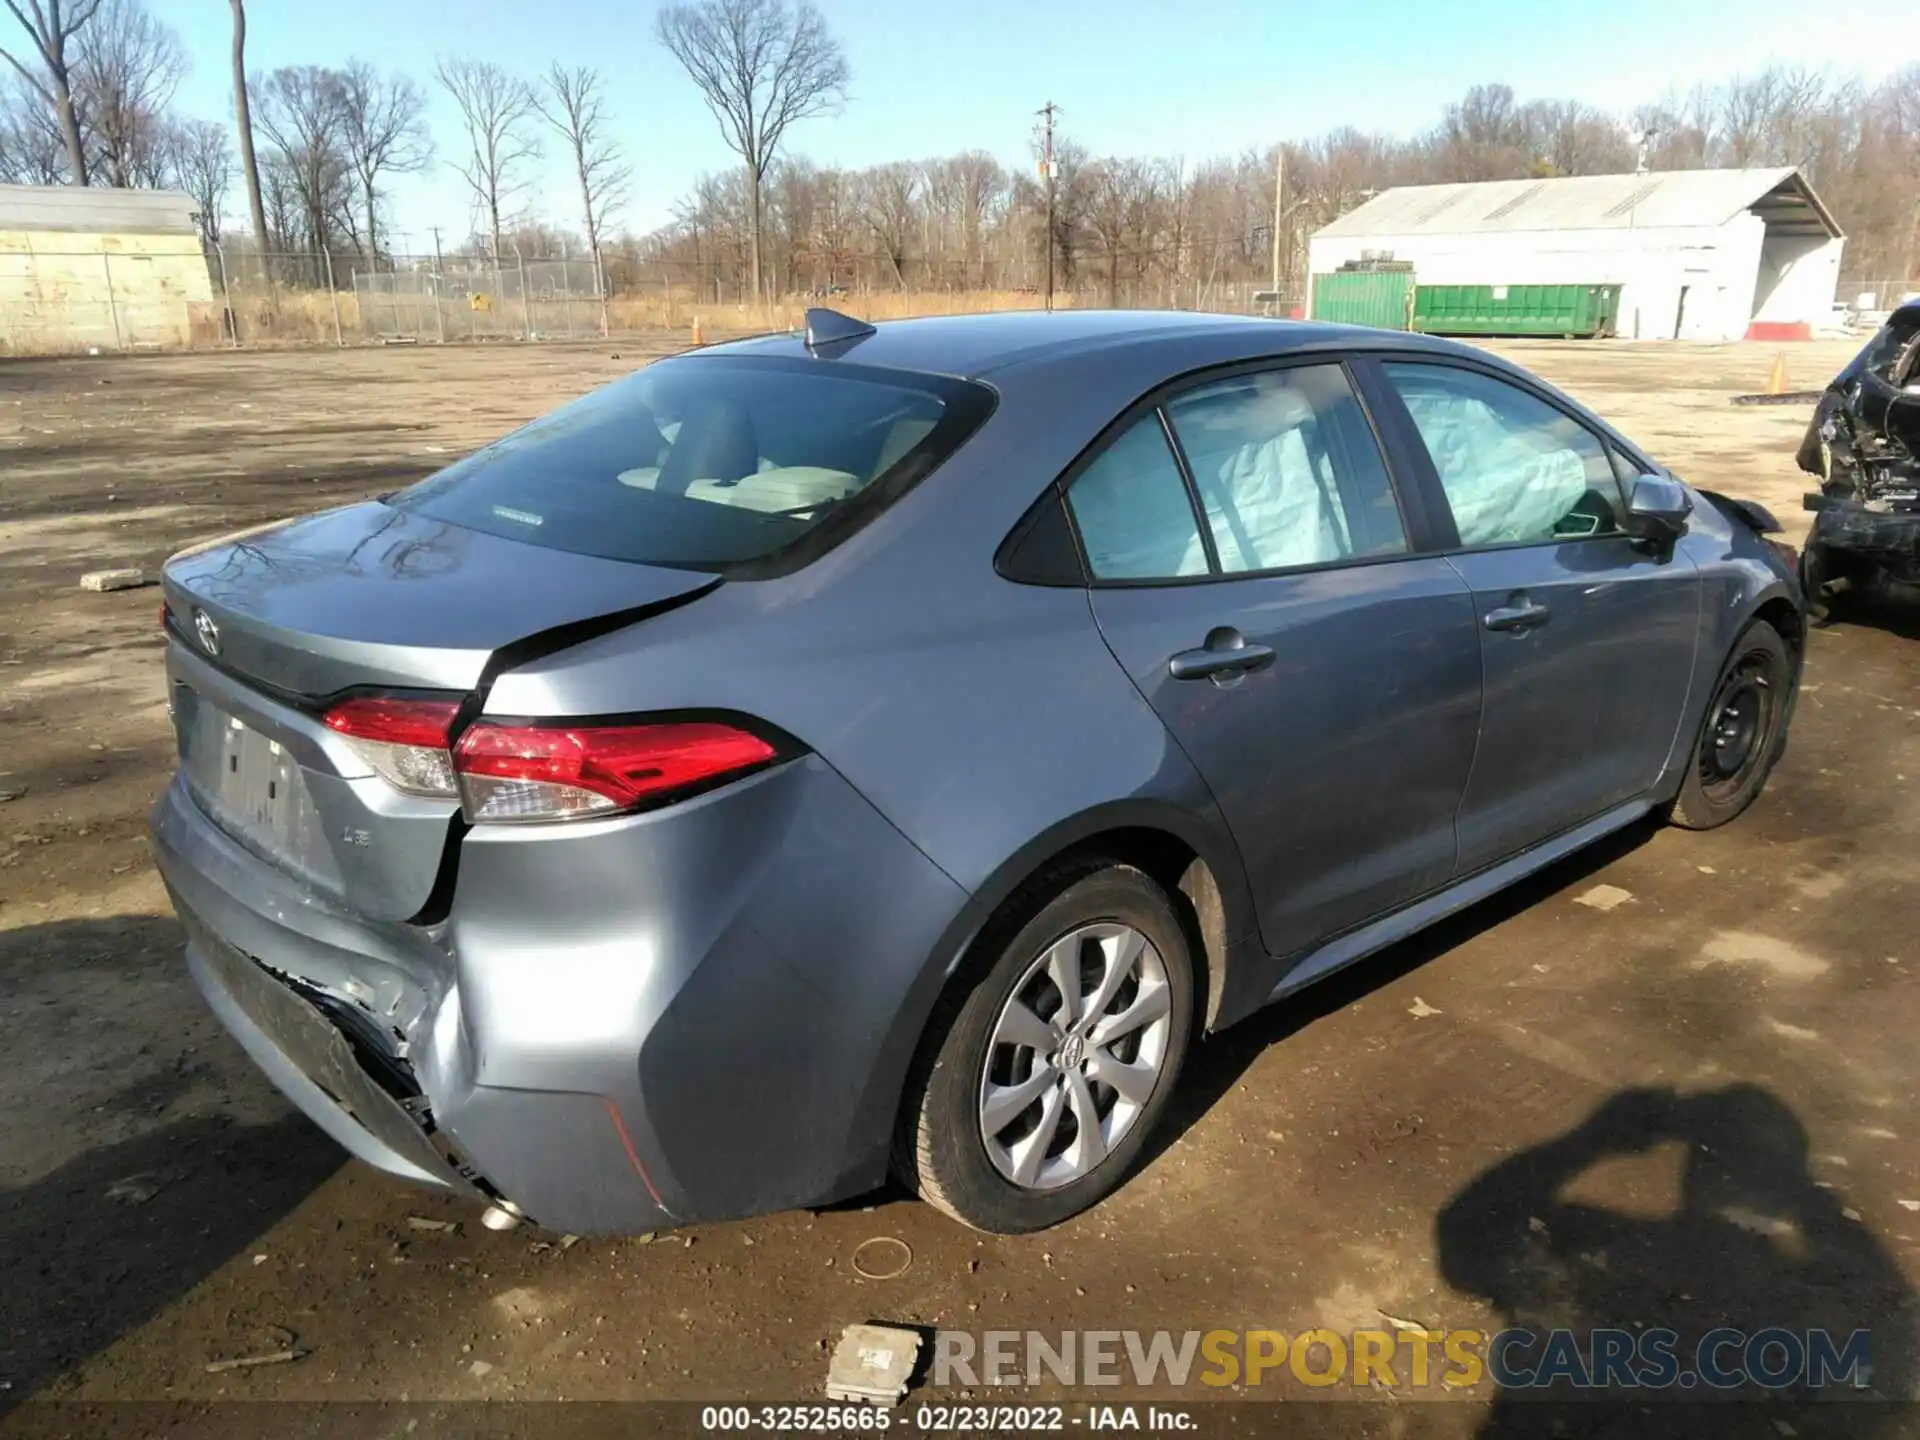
208 631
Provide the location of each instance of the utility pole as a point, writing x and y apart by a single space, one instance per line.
1047 113
1279 210
438 263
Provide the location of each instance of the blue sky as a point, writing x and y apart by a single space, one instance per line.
1193 79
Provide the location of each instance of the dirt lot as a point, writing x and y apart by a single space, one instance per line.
1694 1108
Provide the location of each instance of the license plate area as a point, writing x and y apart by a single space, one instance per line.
250 785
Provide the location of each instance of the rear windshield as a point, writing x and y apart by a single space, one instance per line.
710 463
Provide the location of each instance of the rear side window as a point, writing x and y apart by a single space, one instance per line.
1516 470
1287 469
709 463
1132 510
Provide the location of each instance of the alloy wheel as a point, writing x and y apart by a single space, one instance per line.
1075 1055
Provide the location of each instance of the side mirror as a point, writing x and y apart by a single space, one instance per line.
1657 509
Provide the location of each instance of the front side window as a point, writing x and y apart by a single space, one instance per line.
1516 470
1287 469
1132 510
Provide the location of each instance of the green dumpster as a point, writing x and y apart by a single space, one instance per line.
1566 310
1380 298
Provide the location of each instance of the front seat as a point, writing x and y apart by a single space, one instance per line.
716 442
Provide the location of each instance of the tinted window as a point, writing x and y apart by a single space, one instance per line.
706 462
1132 510
1287 469
1517 471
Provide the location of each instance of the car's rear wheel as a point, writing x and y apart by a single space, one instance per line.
1041 1081
1742 733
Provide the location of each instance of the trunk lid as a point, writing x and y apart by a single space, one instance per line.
374 596
267 627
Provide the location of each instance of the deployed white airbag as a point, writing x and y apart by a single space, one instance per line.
1502 489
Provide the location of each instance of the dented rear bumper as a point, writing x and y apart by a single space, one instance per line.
694 1014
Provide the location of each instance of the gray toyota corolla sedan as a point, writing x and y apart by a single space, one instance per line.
891 749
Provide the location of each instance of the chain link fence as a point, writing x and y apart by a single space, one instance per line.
1876 295
160 295
521 299
235 296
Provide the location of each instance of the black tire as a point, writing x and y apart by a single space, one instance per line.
1742 732
940 1150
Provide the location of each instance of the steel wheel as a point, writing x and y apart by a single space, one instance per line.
1742 733
1740 724
1075 1054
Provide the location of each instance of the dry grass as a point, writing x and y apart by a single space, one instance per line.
287 316
679 309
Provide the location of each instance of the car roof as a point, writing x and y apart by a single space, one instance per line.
975 346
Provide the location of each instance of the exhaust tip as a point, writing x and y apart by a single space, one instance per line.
502 1216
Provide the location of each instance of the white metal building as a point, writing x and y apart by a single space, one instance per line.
88 267
1699 254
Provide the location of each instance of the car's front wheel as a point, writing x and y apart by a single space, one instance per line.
1041 1081
1742 734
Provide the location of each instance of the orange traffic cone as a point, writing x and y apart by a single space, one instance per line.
1777 377
697 340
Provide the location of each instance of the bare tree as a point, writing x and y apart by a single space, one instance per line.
281 193
243 117
1483 136
126 67
199 160
496 109
302 116
1568 137
1124 196
888 194
761 66
54 26
981 185
572 103
383 128
32 151
1154 231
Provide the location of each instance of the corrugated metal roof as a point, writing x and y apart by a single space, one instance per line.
95 210
1590 202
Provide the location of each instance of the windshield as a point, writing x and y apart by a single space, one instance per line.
708 463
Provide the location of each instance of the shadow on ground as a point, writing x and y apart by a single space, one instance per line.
1895 610
1750 1243
123 1229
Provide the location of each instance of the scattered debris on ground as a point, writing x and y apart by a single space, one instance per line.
288 1350
888 1258
136 1189
872 1364
1603 898
114 580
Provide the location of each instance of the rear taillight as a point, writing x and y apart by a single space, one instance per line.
405 741
575 772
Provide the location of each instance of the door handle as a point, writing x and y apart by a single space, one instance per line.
1519 617
1225 653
